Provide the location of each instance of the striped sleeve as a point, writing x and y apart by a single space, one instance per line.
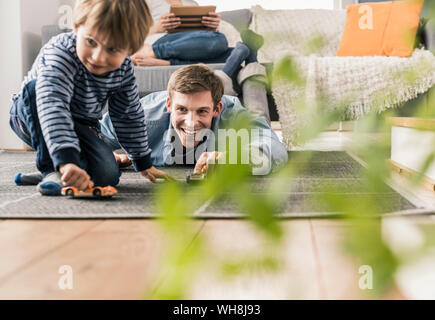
128 119
54 91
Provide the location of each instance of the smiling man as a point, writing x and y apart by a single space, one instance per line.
192 122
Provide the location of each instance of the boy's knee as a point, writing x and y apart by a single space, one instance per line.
107 176
109 179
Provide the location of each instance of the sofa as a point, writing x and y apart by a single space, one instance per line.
311 79
151 79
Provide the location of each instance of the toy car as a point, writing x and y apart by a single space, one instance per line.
97 192
195 178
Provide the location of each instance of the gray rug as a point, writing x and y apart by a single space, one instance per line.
135 198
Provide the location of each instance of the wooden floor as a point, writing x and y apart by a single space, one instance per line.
122 259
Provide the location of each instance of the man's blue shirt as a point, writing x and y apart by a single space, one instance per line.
161 134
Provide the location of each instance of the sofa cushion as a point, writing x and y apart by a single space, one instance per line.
381 29
230 32
402 28
297 32
152 79
50 31
238 18
364 31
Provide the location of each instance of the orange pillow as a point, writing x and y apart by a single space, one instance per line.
381 29
368 39
402 28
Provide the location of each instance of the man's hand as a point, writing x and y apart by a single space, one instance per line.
206 161
74 176
153 174
213 21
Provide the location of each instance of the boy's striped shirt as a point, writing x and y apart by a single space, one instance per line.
65 89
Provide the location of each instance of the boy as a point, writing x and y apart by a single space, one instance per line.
64 94
185 121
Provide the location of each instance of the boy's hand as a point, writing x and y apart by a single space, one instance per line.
153 174
206 161
73 176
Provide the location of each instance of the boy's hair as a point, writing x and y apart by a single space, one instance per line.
121 23
196 78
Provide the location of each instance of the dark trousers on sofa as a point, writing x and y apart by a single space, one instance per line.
191 47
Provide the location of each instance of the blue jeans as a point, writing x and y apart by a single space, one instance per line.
96 155
191 47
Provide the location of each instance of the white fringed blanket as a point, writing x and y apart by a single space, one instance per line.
365 83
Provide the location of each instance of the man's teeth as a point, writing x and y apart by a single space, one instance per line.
189 132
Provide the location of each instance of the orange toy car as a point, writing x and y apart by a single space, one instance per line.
97 192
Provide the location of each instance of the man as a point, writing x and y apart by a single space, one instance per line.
191 124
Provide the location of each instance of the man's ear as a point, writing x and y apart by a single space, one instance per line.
218 110
168 105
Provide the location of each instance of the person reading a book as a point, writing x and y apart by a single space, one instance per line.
204 46
197 46
162 49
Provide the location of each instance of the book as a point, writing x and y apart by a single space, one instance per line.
191 17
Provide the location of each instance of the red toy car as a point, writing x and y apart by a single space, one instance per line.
97 192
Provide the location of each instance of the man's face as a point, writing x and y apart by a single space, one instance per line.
96 56
191 114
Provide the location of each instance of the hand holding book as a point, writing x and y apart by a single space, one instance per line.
167 22
194 18
212 21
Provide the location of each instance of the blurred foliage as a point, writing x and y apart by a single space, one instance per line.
233 268
177 202
287 70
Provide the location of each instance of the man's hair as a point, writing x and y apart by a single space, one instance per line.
196 78
121 23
